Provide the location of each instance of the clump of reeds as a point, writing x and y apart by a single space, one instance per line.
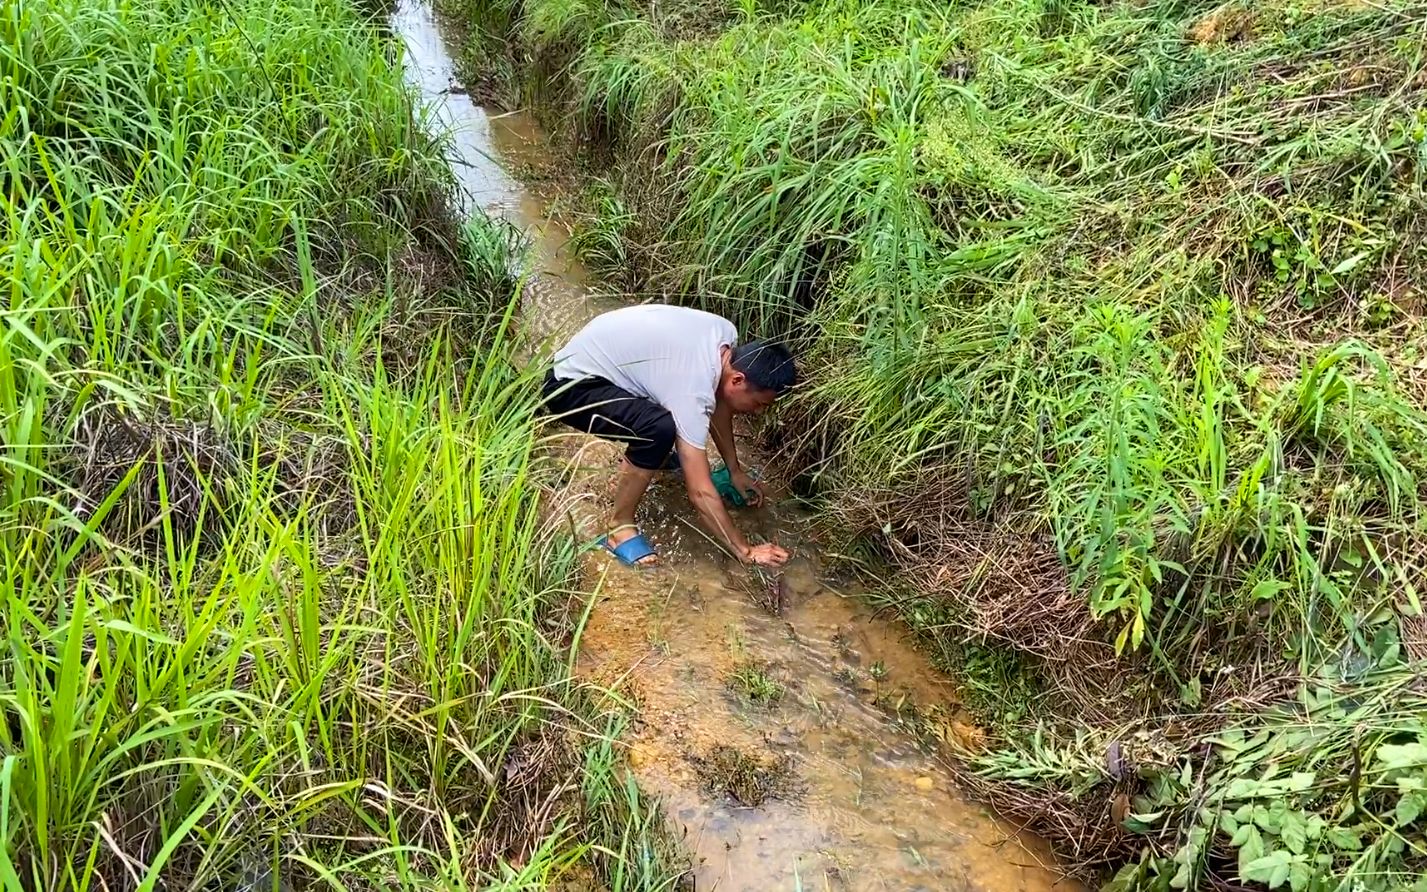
276 607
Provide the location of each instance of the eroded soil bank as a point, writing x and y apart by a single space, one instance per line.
792 738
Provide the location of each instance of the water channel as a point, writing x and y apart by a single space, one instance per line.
864 805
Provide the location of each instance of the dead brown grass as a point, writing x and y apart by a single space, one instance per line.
166 469
1226 23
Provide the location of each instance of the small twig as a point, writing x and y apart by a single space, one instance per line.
1323 97
1355 776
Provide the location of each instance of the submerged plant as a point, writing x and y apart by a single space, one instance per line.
756 682
746 778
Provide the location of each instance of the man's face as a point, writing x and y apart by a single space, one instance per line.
745 399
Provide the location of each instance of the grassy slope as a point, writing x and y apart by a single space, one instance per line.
1114 319
279 611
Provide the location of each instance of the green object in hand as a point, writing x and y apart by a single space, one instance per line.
723 482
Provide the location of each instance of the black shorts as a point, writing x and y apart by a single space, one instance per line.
595 406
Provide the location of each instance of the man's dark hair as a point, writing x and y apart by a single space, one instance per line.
767 365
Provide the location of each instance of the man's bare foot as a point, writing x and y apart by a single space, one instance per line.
623 534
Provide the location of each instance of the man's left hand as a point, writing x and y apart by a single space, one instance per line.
752 490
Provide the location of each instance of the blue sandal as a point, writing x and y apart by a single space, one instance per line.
632 550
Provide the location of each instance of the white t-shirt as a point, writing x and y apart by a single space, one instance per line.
667 354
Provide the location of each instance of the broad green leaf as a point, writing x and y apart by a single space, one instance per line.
1232 739
1343 838
1241 835
1126 879
1267 589
1270 819
1143 823
1271 870
1228 823
1409 806
1396 757
1251 849
1243 788
1351 263
1294 833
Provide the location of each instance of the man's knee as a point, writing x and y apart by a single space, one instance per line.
654 442
664 432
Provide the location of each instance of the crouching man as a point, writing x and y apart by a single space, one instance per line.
662 379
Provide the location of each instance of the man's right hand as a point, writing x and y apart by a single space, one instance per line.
766 555
698 480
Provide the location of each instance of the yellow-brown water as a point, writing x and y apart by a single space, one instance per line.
865 806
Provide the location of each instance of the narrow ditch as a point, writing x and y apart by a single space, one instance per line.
789 744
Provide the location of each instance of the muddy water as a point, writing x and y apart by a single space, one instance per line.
853 800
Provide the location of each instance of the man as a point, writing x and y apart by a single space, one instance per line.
662 379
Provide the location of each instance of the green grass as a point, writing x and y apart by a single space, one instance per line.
280 609
905 188
1115 300
757 683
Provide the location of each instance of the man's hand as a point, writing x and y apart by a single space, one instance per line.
751 489
766 555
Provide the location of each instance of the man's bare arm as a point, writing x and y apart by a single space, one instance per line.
706 499
721 426
698 479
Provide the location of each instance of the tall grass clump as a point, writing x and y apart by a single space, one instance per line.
1113 316
280 611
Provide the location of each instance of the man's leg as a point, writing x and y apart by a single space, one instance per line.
629 489
612 413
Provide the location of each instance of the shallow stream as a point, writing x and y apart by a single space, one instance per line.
794 703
